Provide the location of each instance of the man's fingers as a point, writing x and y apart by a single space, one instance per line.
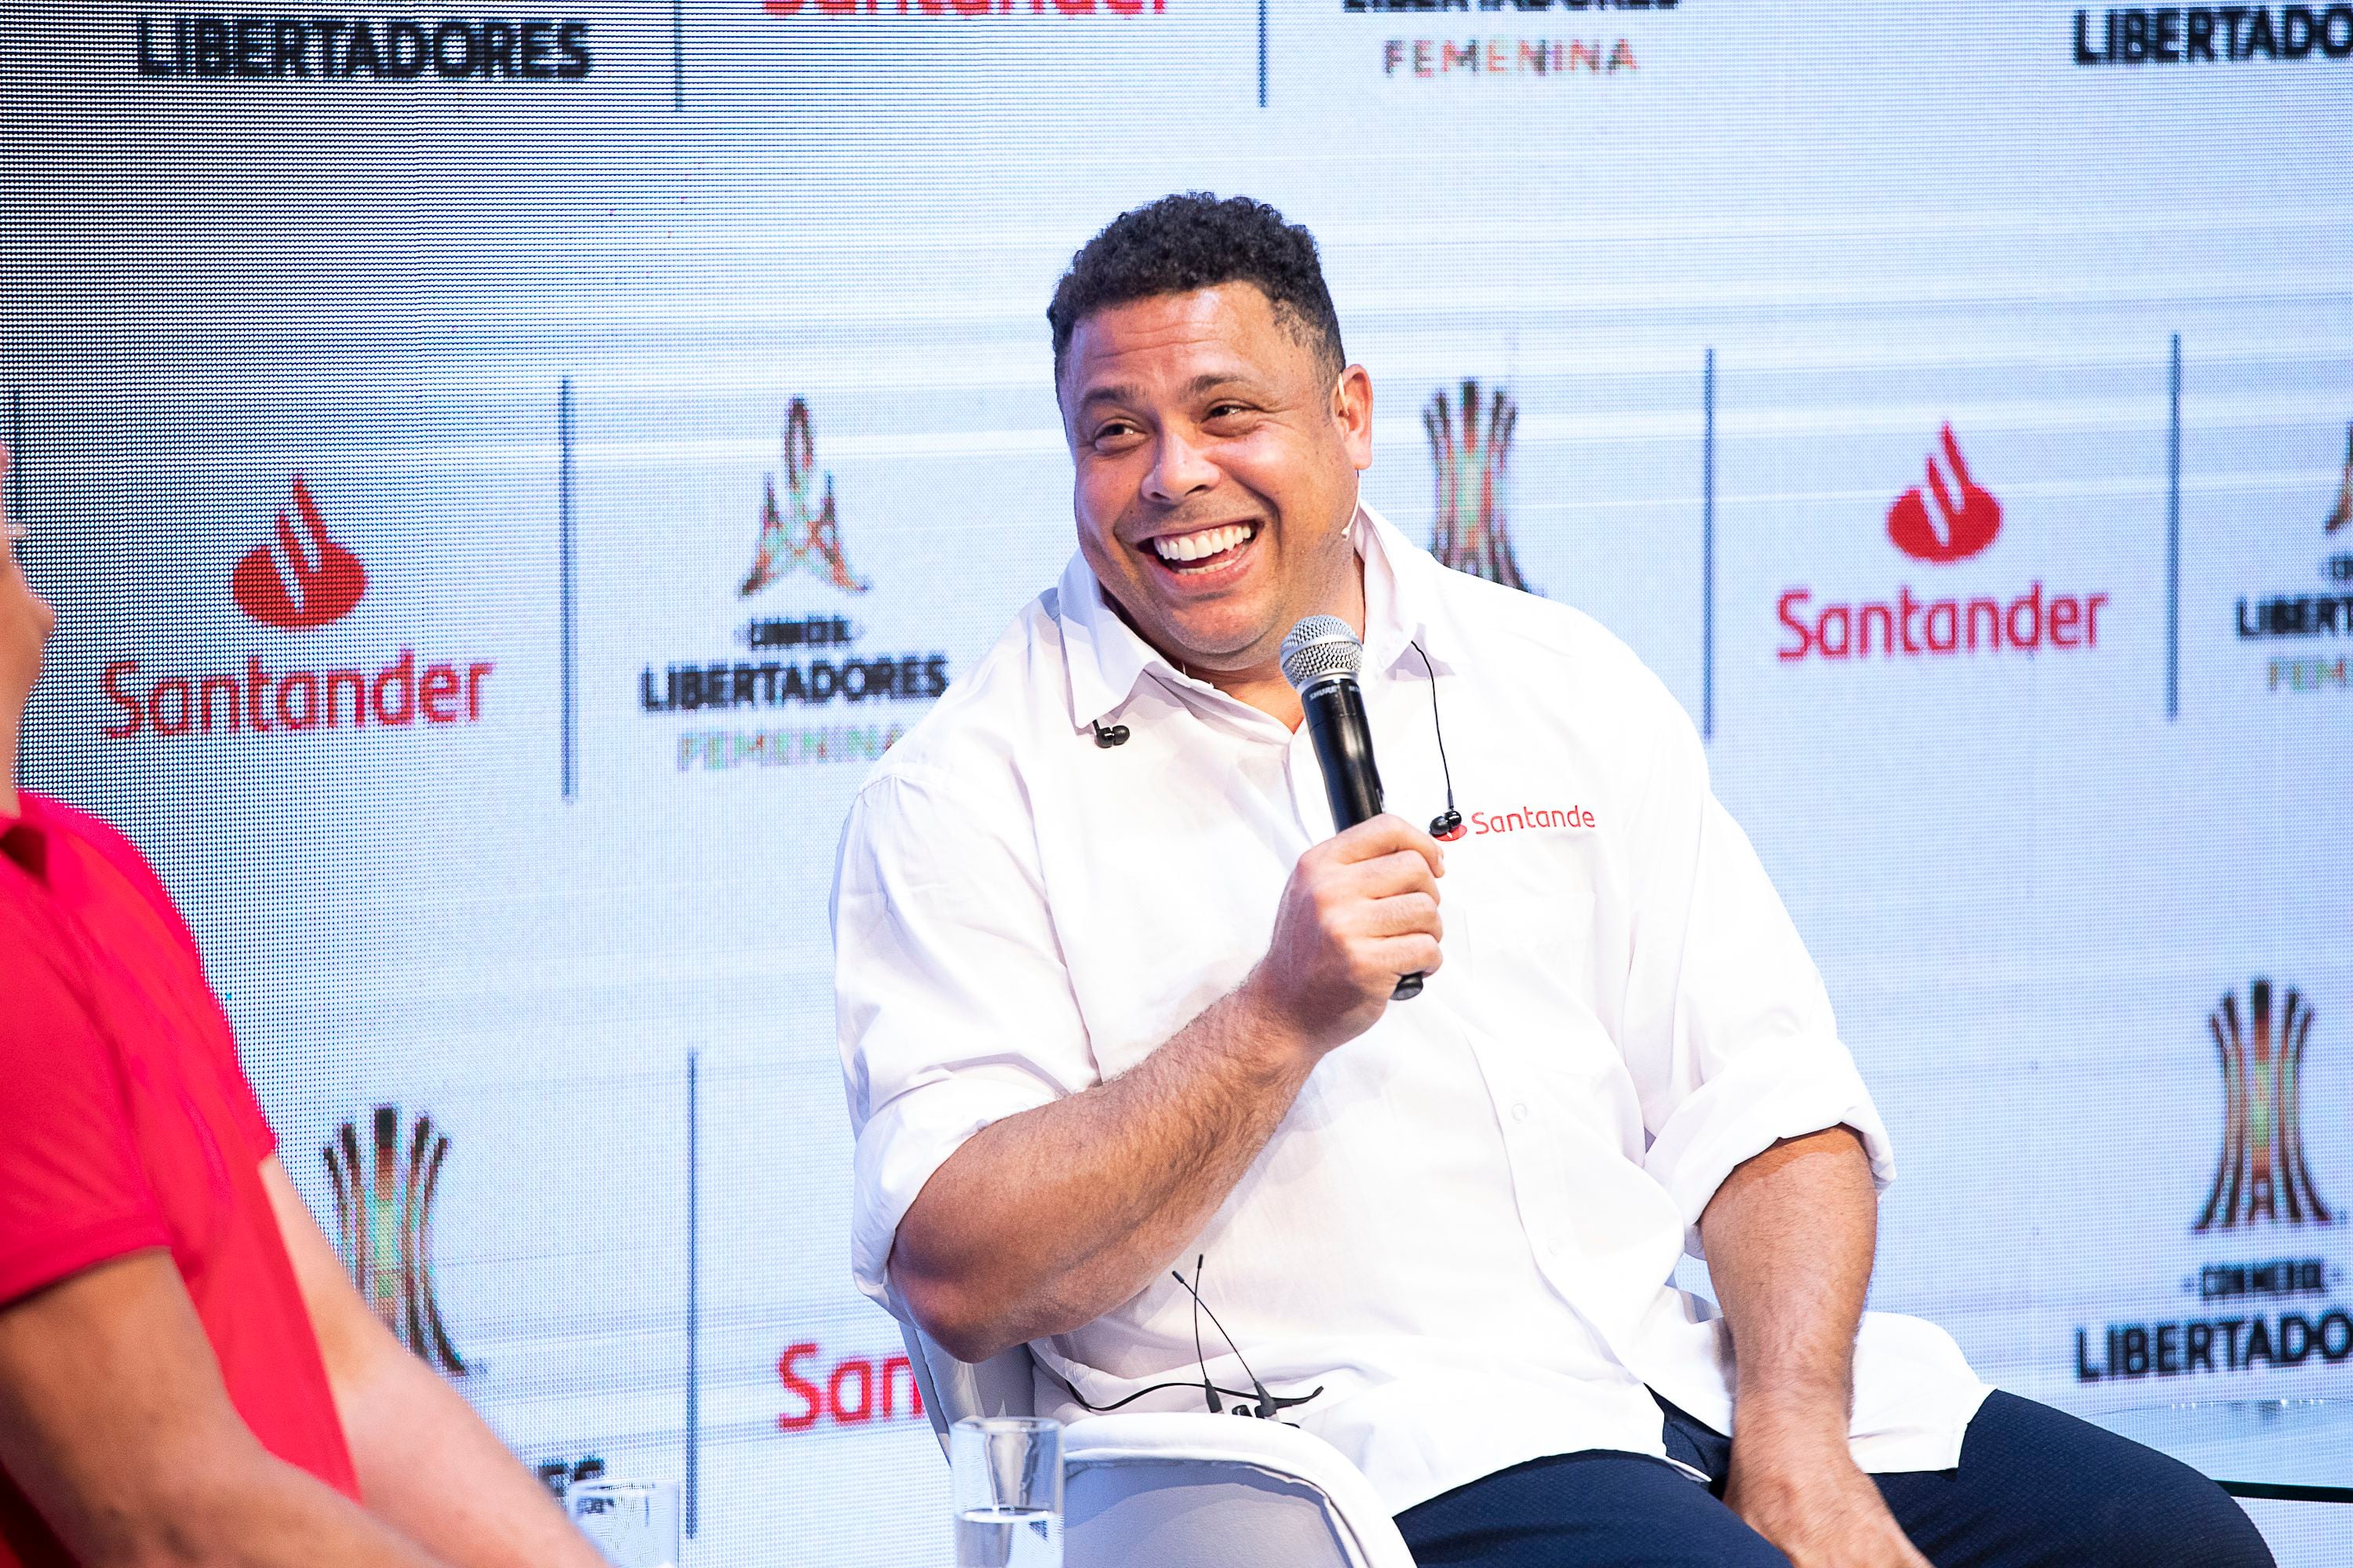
1387 834
1407 914
1390 876
1408 955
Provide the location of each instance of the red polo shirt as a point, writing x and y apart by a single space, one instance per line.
130 1125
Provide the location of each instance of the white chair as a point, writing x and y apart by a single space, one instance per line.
1179 1491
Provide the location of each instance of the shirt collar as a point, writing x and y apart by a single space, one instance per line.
1105 658
24 840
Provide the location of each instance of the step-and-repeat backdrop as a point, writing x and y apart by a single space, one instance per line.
504 476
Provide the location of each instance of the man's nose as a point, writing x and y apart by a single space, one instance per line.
1179 468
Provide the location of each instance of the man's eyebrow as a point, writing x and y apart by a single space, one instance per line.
1209 381
1124 392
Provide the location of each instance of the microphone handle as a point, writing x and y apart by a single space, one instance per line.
1334 708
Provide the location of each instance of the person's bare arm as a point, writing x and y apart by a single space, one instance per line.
426 1463
1044 1221
115 1423
1789 1237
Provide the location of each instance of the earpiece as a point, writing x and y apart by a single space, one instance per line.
1114 736
1448 824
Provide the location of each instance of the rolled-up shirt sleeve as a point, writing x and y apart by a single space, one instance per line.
1729 1027
952 1004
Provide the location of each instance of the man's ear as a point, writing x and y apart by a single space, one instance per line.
1352 410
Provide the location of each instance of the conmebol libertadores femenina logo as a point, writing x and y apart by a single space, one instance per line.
299 581
798 662
799 537
1949 522
1471 455
1568 44
386 1185
2319 627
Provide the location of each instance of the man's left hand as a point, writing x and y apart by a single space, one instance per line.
1822 1512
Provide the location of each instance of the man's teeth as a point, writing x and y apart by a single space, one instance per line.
1195 546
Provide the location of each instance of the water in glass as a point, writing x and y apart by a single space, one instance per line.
1009 1538
1006 1474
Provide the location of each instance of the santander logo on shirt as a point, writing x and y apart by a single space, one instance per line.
1520 820
300 580
1951 518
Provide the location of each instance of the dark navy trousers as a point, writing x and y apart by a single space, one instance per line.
2035 1488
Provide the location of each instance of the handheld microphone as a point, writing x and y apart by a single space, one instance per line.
1320 658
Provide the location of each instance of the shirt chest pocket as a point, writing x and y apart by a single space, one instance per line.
1527 927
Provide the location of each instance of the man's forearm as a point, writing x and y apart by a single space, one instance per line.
1789 1237
274 1516
430 1467
426 1462
1045 1221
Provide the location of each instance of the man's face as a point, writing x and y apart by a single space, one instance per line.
1217 470
26 619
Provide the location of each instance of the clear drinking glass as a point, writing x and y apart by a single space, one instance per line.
633 1524
1006 1472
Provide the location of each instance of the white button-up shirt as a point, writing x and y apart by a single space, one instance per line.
1465 1228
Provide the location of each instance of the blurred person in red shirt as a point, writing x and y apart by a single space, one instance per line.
186 1374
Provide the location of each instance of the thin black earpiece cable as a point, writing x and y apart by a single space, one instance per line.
1208 1389
1448 824
1080 1400
1270 1405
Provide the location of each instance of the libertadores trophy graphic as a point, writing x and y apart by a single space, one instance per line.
798 535
384 1227
2262 1174
1471 447
2341 515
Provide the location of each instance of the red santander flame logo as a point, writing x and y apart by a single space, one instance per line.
1965 518
309 580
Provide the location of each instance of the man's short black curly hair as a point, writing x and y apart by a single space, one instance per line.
1199 240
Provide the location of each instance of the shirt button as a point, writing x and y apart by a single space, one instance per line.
1520 1110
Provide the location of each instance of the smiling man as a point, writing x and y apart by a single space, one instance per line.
1114 998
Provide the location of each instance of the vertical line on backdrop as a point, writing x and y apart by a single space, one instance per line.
2173 539
678 54
15 500
693 1487
1707 548
567 588
1261 54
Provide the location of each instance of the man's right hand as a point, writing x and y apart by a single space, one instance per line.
1360 911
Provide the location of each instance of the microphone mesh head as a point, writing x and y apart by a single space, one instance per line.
1317 647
